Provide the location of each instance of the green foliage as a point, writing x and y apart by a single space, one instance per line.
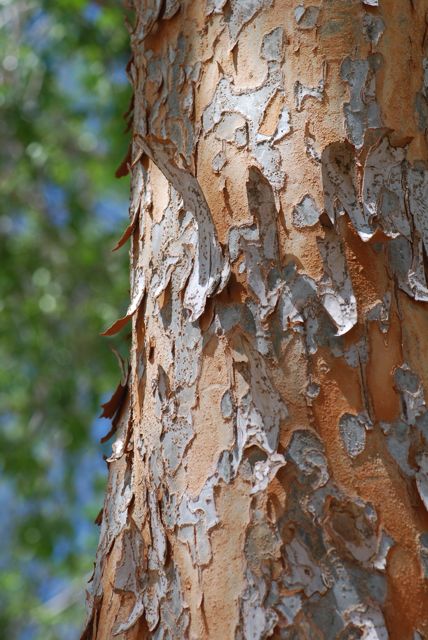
62 96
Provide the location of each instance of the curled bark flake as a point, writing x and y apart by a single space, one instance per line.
406 263
260 410
386 543
298 295
210 270
112 407
258 243
393 199
138 290
382 190
335 287
340 195
128 231
380 312
265 471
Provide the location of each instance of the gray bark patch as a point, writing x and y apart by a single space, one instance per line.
353 432
362 111
307 17
305 213
373 28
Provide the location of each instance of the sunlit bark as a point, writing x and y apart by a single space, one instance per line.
269 471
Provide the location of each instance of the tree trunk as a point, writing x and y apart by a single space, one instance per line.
270 470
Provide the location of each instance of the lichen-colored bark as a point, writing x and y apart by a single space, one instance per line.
269 476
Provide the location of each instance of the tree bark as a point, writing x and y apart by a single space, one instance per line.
269 475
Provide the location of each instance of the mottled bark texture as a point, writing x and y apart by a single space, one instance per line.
269 475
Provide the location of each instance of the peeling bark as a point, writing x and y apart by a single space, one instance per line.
269 475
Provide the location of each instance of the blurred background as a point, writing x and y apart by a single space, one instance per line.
63 92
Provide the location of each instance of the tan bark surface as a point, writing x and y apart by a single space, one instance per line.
269 475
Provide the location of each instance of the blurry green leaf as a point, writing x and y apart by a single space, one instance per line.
62 96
